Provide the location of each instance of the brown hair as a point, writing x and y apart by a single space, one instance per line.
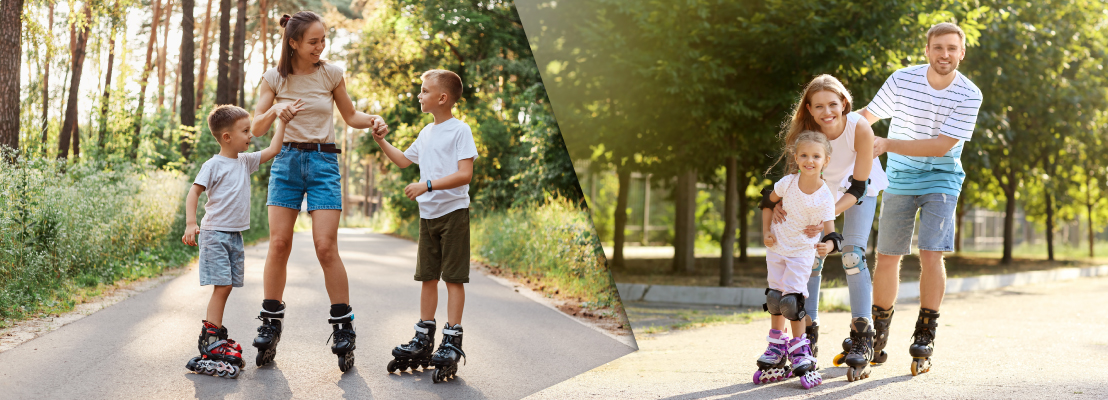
945 28
223 118
802 120
450 82
294 25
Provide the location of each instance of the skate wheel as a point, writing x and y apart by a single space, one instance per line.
920 365
234 372
392 366
838 360
758 377
346 361
436 376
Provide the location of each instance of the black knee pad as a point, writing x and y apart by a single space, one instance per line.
792 306
773 302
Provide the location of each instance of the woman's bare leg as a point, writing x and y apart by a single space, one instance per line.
325 233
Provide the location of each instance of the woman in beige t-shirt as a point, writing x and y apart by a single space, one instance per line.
303 91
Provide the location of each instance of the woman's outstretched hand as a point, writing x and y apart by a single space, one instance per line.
287 111
380 128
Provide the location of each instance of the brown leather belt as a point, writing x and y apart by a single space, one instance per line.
324 147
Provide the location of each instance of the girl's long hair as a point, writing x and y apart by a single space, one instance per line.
802 120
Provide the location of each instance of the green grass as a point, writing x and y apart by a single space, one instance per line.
695 319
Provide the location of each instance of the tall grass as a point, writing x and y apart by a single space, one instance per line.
64 228
553 243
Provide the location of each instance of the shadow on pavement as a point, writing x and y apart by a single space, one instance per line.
775 390
353 385
212 387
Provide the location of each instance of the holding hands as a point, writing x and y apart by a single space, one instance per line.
287 111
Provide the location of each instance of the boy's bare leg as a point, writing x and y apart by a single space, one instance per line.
325 234
932 280
886 280
455 302
217 304
281 221
429 300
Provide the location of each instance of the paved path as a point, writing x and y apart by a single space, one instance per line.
1040 341
138 348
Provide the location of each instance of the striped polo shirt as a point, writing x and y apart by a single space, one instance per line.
921 112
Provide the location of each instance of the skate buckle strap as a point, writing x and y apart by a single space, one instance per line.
263 315
451 346
421 329
216 345
776 341
451 332
349 317
799 343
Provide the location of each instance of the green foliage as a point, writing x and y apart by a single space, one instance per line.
552 242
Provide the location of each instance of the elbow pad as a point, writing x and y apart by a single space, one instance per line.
766 203
858 189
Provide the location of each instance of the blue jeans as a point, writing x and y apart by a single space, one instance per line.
857 224
296 173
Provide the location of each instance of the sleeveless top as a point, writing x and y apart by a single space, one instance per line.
315 121
841 167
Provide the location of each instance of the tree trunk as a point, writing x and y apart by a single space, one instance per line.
188 55
76 142
167 12
263 14
1049 198
237 57
684 242
744 210
223 66
11 27
69 124
619 232
133 150
204 59
107 91
46 78
727 243
1009 215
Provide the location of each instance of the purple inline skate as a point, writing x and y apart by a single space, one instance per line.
771 365
804 365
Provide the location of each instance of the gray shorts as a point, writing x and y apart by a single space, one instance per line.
222 258
898 222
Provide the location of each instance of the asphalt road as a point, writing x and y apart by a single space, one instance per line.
1040 341
138 348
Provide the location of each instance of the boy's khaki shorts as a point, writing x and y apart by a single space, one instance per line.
444 248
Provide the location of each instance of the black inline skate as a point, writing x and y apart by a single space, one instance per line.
217 353
861 349
812 332
446 357
269 334
882 319
343 335
923 341
417 352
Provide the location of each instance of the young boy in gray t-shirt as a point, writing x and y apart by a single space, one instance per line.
445 152
226 178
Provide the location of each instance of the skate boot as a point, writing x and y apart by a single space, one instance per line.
882 319
446 357
269 334
841 357
923 341
861 349
812 332
417 352
216 356
343 335
771 365
803 364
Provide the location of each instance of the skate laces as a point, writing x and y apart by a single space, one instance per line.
268 329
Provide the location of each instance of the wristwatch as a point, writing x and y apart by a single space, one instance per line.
429 185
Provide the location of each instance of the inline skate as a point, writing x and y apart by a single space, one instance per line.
417 352
771 364
450 351
923 341
218 356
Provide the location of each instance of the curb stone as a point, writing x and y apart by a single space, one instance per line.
754 297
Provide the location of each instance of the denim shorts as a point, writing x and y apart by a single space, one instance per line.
296 173
898 220
222 258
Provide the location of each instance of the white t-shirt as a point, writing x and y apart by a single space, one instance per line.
918 111
227 181
843 154
437 150
803 209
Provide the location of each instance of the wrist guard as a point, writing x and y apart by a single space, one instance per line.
836 240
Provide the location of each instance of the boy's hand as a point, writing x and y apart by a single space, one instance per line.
769 240
380 128
287 111
415 189
190 234
824 248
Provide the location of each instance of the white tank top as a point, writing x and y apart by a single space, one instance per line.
841 167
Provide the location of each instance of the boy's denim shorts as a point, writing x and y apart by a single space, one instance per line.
898 222
296 173
222 258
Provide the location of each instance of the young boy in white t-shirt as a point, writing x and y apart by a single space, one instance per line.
226 178
445 152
